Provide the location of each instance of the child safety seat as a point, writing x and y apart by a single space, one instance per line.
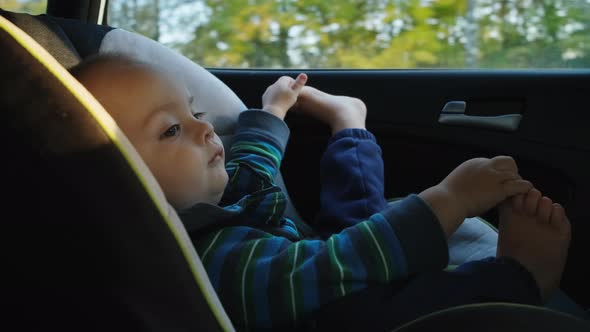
90 242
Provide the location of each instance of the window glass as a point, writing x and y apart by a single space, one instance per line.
366 33
34 7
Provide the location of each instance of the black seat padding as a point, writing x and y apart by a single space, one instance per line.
66 39
83 245
497 317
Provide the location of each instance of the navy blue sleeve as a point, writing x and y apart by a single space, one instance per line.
351 172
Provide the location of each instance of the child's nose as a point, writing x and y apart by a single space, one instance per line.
204 131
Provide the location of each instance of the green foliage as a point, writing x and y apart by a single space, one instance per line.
368 33
34 7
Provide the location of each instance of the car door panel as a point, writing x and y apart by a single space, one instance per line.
551 143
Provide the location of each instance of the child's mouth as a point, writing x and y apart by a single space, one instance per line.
217 156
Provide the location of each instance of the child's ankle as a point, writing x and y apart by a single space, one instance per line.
338 126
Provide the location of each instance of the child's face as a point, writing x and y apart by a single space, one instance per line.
156 114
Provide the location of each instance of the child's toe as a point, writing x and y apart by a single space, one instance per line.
531 201
518 203
544 209
559 219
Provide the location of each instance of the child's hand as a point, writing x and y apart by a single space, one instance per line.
279 97
473 188
480 184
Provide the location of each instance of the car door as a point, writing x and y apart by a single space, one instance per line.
538 117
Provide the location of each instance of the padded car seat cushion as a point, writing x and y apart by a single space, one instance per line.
67 40
211 95
101 244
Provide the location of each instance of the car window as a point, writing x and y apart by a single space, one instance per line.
366 33
34 7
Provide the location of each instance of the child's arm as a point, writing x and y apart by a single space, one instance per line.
255 155
266 280
260 139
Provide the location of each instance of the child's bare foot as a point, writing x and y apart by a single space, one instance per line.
536 232
338 112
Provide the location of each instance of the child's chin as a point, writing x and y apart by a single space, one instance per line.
217 198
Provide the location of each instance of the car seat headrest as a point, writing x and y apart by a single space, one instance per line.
91 242
48 33
211 94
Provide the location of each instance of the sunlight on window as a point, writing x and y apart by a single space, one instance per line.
366 34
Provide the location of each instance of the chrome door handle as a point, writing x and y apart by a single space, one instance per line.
453 113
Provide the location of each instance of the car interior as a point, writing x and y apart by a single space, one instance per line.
92 244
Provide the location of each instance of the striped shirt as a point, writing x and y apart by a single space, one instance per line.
265 280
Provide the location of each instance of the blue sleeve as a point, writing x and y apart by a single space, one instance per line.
255 155
352 185
266 280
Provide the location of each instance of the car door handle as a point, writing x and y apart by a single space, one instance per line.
453 113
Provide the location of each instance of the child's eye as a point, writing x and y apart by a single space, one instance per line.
199 115
172 131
